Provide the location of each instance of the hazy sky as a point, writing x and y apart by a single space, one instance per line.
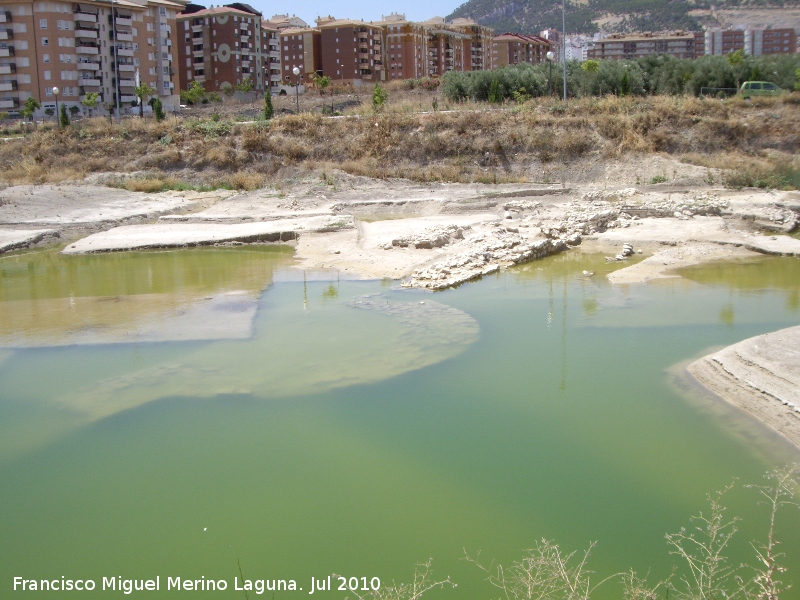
308 10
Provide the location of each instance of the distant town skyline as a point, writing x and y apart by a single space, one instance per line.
308 10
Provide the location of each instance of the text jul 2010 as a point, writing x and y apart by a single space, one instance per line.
259 586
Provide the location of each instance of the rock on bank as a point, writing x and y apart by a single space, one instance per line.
761 376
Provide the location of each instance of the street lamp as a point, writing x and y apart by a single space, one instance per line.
58 116
550 56
296 72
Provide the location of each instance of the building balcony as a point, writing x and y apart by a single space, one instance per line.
124 52
123 37
9 103
126 83
196 28
89 82
275 77
245 39
5 16
200 78
6 34
196 52
7 51
8 69
8 86
82 17
83 50
276 54
245 64
124 22
88 34
128 98
126 68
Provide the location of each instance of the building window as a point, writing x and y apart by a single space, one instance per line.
46 58
47 75
43 23
162 11
45 42
48 91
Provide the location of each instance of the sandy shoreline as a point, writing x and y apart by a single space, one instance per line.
760 376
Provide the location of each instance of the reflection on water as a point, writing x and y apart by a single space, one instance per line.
47 299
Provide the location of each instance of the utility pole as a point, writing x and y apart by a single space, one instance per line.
564 42
116 60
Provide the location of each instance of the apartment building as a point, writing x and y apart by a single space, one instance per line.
300 47
445 51
271 47
754 42
405 44
351 51
478 46
221 47
618 47
516 48
83 47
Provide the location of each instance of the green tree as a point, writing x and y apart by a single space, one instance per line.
31 105
737 60
322 82
379 97
269 111
245 86
625 84
63 120
90 100
143 92
214 97
590 66
495 95
227 89
797 77
158 108
194 94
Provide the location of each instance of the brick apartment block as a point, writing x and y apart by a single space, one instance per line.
754 42
300 47
515 48
431 48
351 51
83 47
618 47
221 47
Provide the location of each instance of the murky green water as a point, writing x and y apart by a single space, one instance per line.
171 413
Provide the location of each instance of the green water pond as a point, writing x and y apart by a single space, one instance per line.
189 412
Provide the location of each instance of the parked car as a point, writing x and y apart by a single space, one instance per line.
759 88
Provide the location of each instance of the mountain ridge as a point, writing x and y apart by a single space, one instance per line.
611 16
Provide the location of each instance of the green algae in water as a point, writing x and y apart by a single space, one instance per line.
556 419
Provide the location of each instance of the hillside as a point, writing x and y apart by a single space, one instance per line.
531 16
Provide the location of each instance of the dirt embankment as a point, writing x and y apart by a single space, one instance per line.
536 141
